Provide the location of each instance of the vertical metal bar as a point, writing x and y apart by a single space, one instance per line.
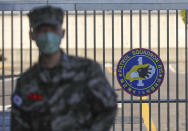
140 34
67 32
131 29
104 41
159 104
76 31
12 54
140 27
186 77
113 54
94 33
149 29
149 45
3 72
177 73
85 33
21 42
30 49
122 91
159 37
168 80
131 46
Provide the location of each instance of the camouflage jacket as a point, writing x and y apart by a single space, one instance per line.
73 96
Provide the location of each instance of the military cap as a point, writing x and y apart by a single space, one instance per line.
45 15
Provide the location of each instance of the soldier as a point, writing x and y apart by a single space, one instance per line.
60 92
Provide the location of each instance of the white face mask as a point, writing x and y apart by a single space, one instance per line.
48 43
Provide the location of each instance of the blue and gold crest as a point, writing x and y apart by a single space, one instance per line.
140 72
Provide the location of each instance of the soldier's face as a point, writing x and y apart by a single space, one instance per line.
46 28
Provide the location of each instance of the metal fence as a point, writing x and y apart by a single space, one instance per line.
104 32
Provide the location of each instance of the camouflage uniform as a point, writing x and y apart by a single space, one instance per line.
72 96
76 96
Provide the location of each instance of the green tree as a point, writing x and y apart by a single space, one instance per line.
182 13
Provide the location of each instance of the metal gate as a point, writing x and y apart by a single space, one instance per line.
104 32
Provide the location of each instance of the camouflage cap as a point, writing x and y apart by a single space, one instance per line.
45 15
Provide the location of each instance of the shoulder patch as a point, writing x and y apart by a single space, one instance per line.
17 100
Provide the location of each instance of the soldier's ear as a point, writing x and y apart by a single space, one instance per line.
62 32
32 35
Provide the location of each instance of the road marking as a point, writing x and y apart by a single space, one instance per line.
109 69
7 107
145 115
6 66
9 79
145 109
174 70
108 64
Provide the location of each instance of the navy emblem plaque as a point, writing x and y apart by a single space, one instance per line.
140 72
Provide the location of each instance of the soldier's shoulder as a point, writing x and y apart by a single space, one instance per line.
24 79
29 73
79 61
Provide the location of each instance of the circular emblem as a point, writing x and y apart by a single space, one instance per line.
17 100
140 72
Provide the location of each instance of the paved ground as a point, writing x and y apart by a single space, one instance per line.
136 106
154 106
